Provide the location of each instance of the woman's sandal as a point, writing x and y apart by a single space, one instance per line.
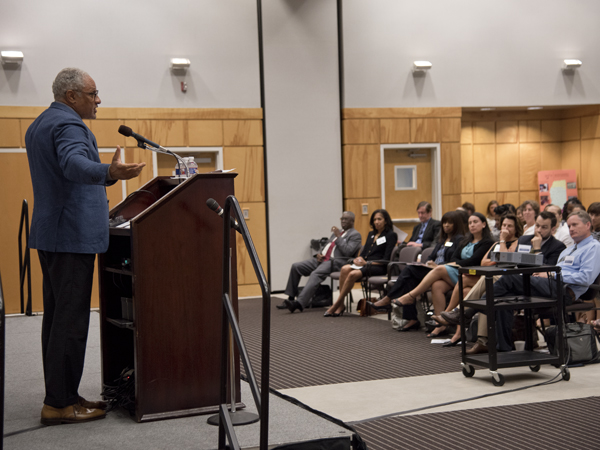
399 303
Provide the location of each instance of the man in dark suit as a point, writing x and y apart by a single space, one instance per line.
342 245
69 226
542 241
425 233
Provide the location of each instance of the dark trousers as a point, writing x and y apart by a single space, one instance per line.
510 285
68 279
409 278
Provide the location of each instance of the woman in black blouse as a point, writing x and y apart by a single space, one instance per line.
379 246
451 234
444 277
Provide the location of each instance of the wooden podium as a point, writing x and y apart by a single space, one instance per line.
169 263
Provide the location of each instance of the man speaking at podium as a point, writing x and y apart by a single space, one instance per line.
69 226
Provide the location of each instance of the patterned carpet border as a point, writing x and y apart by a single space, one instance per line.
555 425
308 349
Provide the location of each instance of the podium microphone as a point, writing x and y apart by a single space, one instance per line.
212 204
126 131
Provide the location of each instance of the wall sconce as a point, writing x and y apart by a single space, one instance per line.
421 66
571 64
11 57
180 63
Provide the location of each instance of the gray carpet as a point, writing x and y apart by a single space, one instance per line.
557 425
308 349
25 394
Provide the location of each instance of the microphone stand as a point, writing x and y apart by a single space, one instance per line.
166 151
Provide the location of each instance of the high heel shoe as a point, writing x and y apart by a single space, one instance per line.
382 308
414 326
451 344
341 313
328 314
440 333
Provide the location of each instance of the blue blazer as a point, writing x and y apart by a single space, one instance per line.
70 212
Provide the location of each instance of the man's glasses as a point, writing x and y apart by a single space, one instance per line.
92 94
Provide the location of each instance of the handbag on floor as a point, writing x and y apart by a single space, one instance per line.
581 343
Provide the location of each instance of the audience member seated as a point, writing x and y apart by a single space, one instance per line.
561 232
444 277
499 211
541 242
425 233
530 210
468 207
569 207
511 230
342 245
372 261
451 234
594 212
580 265
491 217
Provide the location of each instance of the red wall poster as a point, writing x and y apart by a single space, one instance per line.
557 186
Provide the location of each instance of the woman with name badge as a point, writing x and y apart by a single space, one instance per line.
372 261
470 251
451 234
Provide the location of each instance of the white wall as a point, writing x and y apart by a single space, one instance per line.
303 128
126 46
484 53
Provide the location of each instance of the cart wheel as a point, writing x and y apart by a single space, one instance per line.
497 379
566 375
534 368
468 371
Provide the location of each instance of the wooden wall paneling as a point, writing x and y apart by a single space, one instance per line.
393 131
507 131
529 130
484 171
507 167
16 180
249 290
362 171
451 129
249 164
467 198
530 163
425 130
466 168
571 129
481 201
590 127
451 168
528 195
450 202
107 133
466 133
399 113
138 155
551 156
571 156
508 197
361 131
257 225
484 132
242 133
24 124
361 222
205 133
590 164
588 196
551 130
10 133
169 133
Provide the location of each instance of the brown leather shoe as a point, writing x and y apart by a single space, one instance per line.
71 414
477 348
439 319
92 405
451 317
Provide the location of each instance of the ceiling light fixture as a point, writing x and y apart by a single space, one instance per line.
421 66
571 64
11 57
